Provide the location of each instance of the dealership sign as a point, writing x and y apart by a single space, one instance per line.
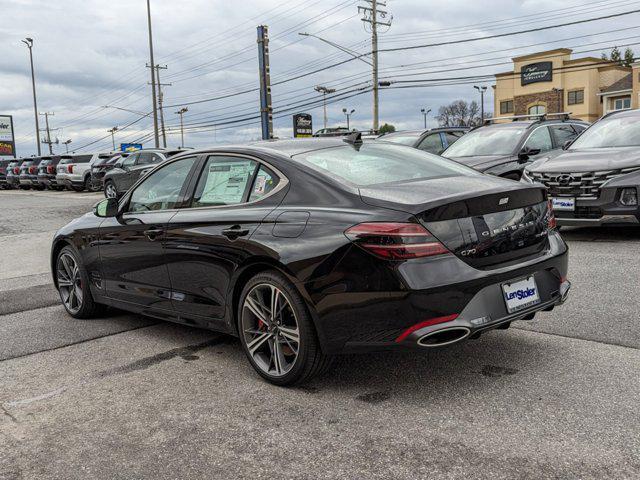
7 141
536 72
130 147
302 125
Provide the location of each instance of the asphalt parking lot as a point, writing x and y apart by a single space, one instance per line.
128 397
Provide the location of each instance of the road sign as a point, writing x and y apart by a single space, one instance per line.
302 125
130 147
7 140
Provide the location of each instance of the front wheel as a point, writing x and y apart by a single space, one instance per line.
277 333
110 190
73 285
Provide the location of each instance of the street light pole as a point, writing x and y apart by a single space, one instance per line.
112 131
348 115
481 90
29 43
181 112
66 145
153 79
324 91
424 114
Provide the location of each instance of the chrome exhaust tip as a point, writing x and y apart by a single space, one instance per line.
445 336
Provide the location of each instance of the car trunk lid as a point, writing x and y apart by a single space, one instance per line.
485 221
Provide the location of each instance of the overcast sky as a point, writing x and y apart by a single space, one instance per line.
89 54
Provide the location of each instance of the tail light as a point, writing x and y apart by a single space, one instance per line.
2 169
69 168
16 170
33 170
395 241
51 169
551 218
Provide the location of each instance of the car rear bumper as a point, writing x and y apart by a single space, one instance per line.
13 181
48 180
441 289
30 180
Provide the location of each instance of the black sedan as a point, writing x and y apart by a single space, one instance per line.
309 248
504 149
595 180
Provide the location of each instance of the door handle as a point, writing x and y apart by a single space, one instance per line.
235 232
152 233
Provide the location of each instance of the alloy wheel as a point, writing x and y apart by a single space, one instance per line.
270 329
69 282
110 191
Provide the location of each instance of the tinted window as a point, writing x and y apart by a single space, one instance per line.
130 160
147 158
540 139
562 133
81 159
402 138
489 140
161 190
377 163
264 183
431 143
615 131
223 181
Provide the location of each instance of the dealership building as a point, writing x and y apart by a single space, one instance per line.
552 82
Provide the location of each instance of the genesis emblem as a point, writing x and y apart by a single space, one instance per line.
503 201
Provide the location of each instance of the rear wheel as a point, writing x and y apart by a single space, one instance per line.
277 333
110 189
73 285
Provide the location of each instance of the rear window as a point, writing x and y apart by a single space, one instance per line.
377 163
402 138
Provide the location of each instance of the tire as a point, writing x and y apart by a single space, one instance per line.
85 306
259 338
110 190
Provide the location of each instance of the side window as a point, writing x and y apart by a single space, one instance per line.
224 181
452 137
540 139
130 160
149 158
431 144
562 133
263 184
161 190
579 127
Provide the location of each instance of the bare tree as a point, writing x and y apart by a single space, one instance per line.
459 114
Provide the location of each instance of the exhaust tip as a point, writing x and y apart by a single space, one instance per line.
445 336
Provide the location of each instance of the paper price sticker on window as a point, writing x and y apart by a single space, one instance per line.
261 184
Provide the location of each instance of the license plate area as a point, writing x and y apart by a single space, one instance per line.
520 294
563 204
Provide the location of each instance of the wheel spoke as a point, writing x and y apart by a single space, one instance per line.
78 291
290 333
257 342
275 296
67 267
63 281
256 309
294 348
72 297
278 357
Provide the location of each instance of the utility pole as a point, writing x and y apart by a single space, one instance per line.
266 109
66 145
181 112
112 131
48 139
29 43
160 100
424 114
153 79
324 91
348 115
481 90
371 16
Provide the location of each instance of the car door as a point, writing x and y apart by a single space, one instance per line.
207 241
134 267
123 177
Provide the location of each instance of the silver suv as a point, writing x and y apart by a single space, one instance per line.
74 170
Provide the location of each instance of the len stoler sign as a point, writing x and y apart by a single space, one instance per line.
7 140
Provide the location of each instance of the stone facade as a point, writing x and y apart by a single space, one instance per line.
551 100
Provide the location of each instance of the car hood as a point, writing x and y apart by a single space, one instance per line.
586 160
481 162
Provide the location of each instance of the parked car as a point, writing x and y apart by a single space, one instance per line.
74 171
102 166
313 247
47 172
127 170
332 132
504 149
4 165
13 173
595 179
29 173
434 140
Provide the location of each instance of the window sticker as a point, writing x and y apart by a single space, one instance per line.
226 182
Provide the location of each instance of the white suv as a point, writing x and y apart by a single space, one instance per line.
74 170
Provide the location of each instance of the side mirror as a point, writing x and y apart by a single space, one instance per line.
106 208
567 144
527 152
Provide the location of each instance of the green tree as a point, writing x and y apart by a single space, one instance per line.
387 128
615 56
628 57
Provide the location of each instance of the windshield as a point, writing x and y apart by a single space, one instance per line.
378 163
490 140
610 132
402 138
